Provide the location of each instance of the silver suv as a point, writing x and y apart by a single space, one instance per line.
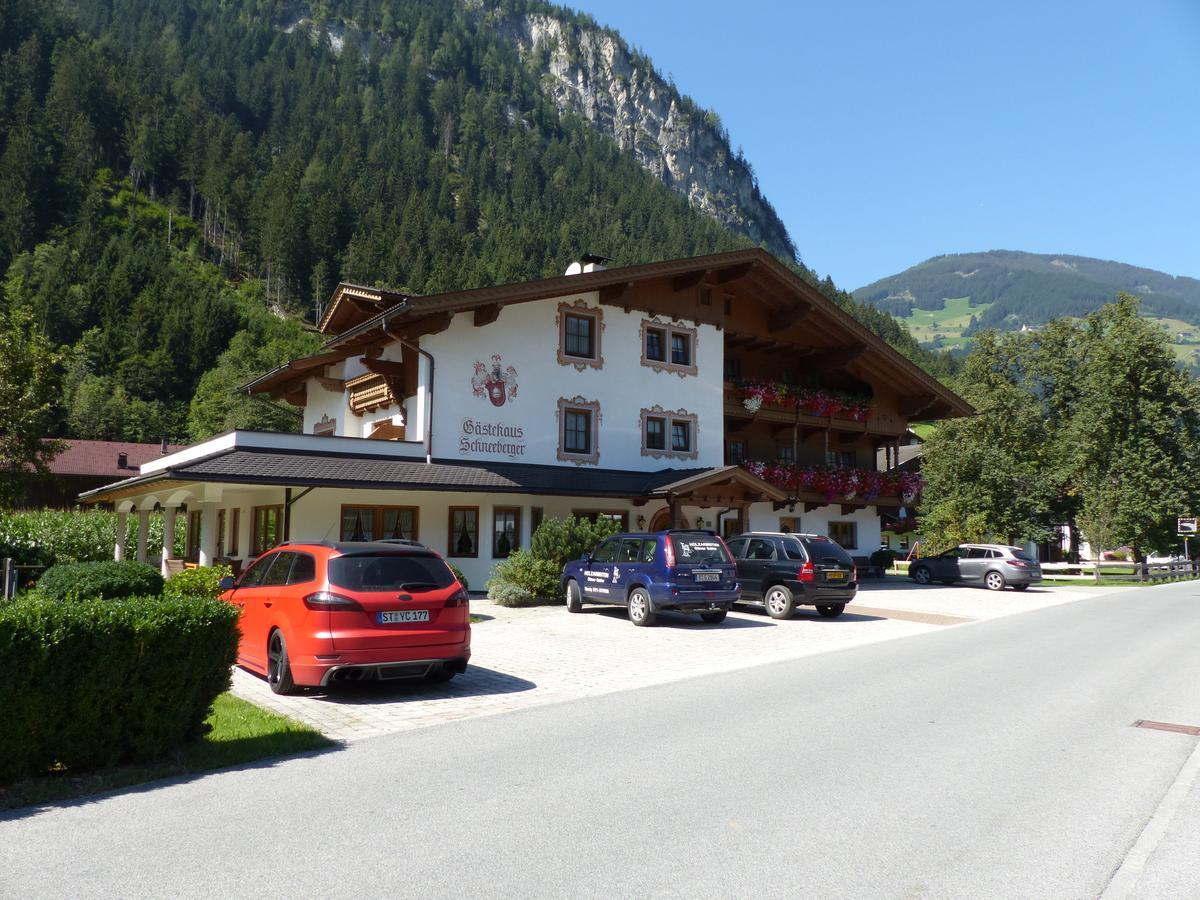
996 565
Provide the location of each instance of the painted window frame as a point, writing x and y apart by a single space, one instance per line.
670 331
377 515
451 549
258 534
670 418
581 309
515 512
234 548
578 404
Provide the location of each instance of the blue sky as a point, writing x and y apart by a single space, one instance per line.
885 133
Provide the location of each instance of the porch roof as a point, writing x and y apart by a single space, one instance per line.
282 468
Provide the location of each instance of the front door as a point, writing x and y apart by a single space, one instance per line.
598 577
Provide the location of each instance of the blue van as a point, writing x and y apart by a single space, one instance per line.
686 571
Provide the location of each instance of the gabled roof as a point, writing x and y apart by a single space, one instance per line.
363 314
103 458
351 302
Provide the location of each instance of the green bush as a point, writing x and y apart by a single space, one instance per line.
51 536
562 540
100 581
505 593
96 683
462 579
523 578
201 582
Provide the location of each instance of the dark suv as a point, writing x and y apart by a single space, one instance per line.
782 571
686 571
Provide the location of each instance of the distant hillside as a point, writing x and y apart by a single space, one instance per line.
1008 289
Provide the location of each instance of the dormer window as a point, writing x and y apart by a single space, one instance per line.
579 330
668 348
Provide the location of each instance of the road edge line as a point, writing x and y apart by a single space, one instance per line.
1125 880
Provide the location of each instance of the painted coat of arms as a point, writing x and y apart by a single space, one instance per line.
498 382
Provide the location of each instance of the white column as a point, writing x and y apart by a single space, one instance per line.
122 530
208 533
168 547
143 533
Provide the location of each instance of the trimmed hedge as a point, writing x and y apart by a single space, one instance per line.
525 580
200 582
101 682
46 537
100 580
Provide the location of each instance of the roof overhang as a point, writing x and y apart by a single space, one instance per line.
797 304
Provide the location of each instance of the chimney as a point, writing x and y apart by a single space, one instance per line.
163 448
589 262
122 460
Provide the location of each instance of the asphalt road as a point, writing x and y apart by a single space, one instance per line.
988 760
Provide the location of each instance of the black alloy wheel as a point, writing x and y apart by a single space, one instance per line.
279 669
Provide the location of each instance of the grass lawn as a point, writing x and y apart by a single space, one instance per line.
241 732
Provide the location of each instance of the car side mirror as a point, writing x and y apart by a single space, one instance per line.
227 583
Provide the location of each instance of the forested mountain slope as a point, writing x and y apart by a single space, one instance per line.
1030 288
179 179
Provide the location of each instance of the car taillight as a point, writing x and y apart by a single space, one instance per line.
669 554
459 599
1017 563
329 600
806 572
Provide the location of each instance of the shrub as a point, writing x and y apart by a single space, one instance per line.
201 582
883 558
505 593
561 540
523 574
100 580
96 683
462 579
51 536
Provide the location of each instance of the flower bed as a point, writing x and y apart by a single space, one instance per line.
756 393
836 482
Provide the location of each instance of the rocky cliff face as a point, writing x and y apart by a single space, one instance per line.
593 73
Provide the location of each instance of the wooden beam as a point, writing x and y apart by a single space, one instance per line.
733 273
848 508
827 360
733 426
616 294
917 404
486 315
688 280
297 396
434 324
331 384
789 318
385 367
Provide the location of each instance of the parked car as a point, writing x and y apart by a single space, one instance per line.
996 565
686 571
312 614
783 571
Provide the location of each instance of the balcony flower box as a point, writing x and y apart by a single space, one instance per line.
756 393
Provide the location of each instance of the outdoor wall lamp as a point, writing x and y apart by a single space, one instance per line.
641 523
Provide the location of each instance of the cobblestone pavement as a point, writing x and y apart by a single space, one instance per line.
529 657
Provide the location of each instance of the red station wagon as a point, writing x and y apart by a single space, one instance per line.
312 614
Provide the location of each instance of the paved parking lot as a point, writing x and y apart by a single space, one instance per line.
529 657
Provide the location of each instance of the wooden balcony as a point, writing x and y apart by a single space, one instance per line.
737 417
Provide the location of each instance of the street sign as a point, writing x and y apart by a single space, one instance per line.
1187 525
